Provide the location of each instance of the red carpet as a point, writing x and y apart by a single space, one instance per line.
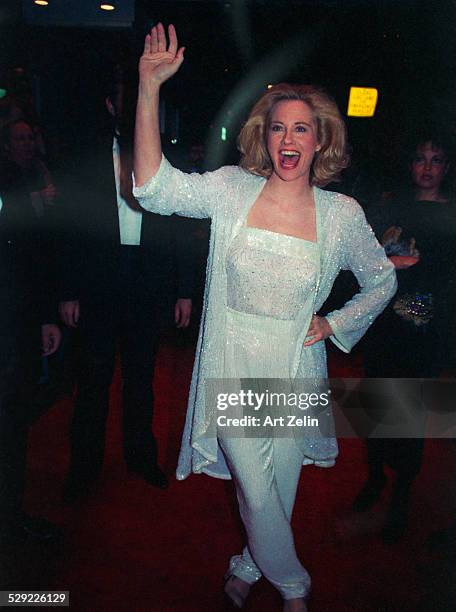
132 547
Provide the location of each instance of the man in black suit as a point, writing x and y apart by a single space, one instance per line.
120 270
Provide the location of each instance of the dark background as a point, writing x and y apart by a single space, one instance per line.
404 48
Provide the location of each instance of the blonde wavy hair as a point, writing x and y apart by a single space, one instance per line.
328 162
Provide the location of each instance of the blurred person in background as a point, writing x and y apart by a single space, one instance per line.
27 319
124 274
22 165
23 171
415 336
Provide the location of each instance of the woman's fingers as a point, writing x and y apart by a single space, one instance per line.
319 329
312 330
161 36
147 44
313 333
179 56
153 40
312 340
172 39
156 41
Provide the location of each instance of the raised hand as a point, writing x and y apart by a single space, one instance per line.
157 63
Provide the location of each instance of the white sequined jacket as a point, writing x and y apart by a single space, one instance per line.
346 242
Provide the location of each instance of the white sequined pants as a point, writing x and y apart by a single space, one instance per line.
266 474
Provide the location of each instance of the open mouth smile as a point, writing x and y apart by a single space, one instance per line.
289 158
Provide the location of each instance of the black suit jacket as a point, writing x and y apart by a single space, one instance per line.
89 236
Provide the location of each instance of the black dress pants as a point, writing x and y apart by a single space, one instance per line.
19 370
128 317
398 349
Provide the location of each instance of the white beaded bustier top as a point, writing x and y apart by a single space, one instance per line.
270 274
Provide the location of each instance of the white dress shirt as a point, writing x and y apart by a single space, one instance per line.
129 220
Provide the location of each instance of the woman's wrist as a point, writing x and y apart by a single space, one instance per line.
148 91
328 329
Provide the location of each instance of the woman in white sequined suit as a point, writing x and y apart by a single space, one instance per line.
277 243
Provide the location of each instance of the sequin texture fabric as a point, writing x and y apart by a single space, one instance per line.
270 274
345 241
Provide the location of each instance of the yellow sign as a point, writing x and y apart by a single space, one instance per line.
362 101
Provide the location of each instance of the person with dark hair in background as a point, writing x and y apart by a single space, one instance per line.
414 336
21 164
120 271
277 243
19 103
